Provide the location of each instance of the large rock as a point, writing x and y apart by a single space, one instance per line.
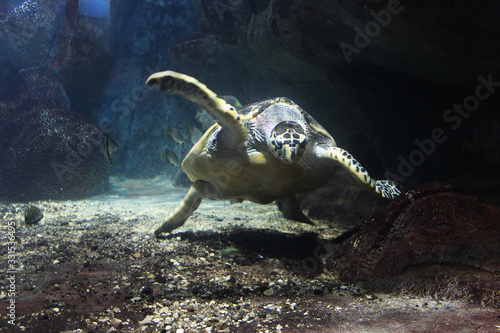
28 33
47 151
431 241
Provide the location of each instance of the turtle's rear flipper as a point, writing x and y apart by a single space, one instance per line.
385 188
188 205
290 208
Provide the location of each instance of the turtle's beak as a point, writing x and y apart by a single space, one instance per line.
288 142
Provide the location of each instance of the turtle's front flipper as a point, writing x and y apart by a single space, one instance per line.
234 133
188 205
290 208
384 188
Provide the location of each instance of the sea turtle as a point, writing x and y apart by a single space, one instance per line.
267 151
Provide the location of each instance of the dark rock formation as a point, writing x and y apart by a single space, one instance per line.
48 151
377 91
430 241
28 33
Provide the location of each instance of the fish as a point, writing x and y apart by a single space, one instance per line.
232 100
195 134
204 118
186 134
230 251
174 133
109 147
170 156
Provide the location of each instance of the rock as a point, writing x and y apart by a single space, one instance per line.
192 48
32 215
269 292
147 321
47 151
429 241
313 33
146 290
28 32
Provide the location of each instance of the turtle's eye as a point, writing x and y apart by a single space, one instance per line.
288 141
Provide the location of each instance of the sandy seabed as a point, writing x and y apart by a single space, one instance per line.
94 266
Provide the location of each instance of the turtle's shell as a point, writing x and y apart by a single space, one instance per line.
252 172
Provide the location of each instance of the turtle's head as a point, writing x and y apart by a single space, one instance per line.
288 141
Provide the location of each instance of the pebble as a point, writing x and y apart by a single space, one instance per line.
269 292
147 321
146 290
174 262
117 323
32 215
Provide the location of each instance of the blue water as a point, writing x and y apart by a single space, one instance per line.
95 8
